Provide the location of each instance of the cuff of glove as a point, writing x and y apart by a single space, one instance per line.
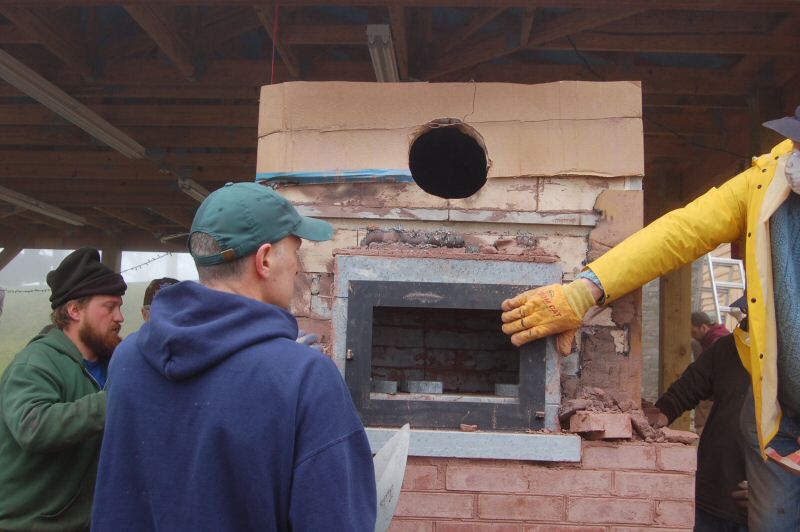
580 298
591 276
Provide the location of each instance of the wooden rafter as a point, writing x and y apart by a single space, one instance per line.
50 33
74 159
661 80
752 64
708 44
175 214
135 240
235 23
397 21
162 28
327 34
680 5
486 49
133 217
173 137
141 115
11 250
267 18
473 25
526 25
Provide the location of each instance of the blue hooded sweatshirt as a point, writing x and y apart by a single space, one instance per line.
218 420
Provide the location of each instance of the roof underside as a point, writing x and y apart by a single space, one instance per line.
183 79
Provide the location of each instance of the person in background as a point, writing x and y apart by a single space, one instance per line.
151 291
717 374
706 331
52 409
218 419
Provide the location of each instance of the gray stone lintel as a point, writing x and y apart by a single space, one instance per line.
430 270
488 445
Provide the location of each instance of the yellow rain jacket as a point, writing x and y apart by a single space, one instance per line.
740 208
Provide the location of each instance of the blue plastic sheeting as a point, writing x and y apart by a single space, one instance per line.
370 175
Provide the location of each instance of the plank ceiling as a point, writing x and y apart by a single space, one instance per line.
183 79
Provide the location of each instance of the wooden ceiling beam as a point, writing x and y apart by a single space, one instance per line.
683 101
87 92
111 159
162 27
397 22
680 23
75 200
12 34
51 33
155 137
232 24
212 34
136 174
325 34
661 80
134 240
683 5
686 44
134 217
267 17
180 216
475 23
753 65
485 49
716 123
526 24
140 115
7 211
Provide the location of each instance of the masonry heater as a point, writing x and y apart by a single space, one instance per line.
446 199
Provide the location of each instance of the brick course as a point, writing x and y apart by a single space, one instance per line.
618 487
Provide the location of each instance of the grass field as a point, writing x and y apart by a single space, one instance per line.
25 314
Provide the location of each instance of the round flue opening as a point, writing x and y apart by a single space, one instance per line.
448 161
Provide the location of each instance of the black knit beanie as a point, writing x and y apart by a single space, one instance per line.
82 274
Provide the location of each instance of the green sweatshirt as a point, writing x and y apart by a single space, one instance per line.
52 422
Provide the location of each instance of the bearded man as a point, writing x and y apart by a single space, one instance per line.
52 407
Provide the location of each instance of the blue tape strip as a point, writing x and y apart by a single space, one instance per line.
370 175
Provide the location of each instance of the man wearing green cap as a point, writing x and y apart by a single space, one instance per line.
217 418
51 406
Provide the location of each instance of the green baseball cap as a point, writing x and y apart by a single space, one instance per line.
243 216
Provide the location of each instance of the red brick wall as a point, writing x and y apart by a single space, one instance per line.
627 487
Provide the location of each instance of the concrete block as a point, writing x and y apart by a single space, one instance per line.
384 386
601 425
422 386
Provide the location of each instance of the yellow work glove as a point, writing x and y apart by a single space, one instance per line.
553 309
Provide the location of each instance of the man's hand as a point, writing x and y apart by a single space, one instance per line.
741 495
309 339
554 309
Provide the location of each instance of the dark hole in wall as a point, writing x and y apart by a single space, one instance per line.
448 162
462 348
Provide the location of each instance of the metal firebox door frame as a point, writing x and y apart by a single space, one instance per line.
527 413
